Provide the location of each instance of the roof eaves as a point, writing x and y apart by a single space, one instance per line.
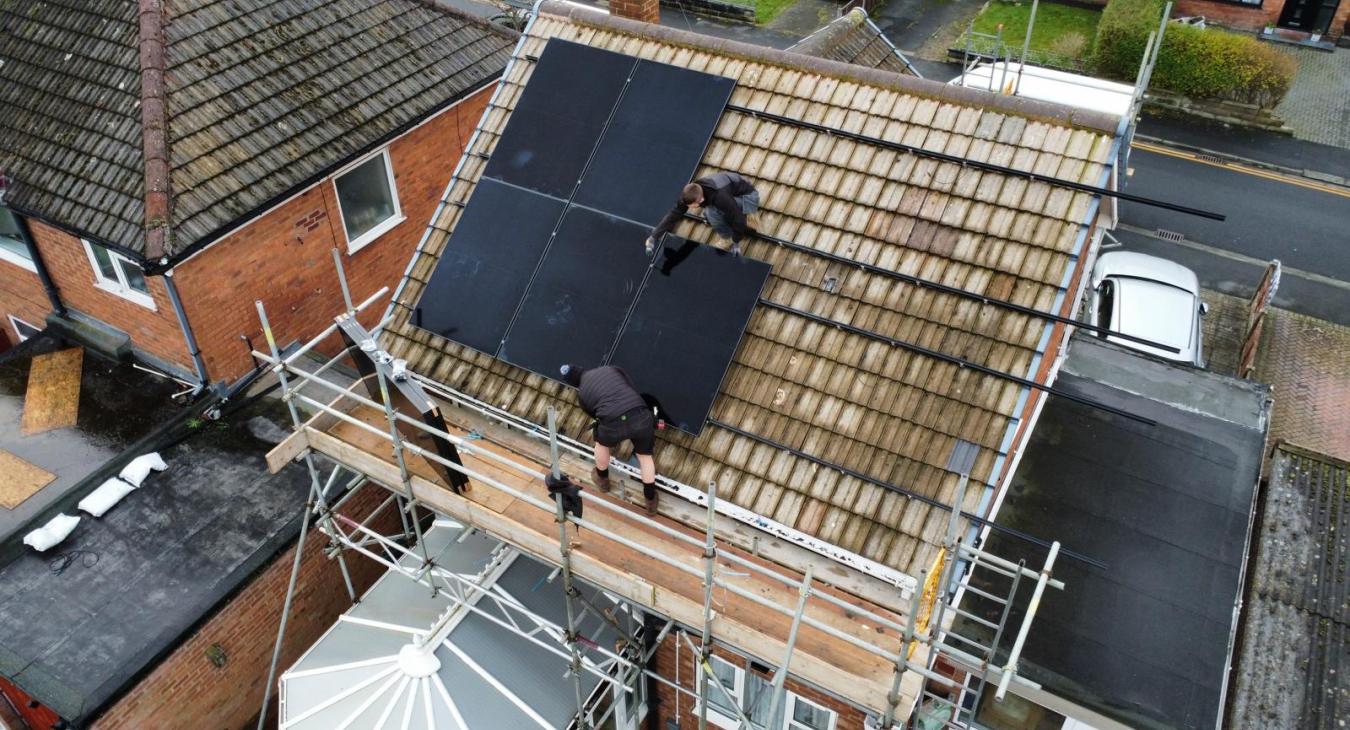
154 131
1027 108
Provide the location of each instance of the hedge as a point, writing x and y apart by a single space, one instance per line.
1204 64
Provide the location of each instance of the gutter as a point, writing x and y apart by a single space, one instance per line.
48 285
196 352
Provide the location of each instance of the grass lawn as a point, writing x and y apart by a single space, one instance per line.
767 10
1056 26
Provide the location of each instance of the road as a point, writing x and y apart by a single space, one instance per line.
1301 221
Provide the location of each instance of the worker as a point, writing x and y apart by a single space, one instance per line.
725 198
608 395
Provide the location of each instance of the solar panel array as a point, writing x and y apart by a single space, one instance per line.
546 264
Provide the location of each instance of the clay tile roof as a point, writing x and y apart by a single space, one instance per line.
853 38
245 103
876 409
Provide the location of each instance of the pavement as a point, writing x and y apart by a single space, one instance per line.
1317 106
911 23
1251 146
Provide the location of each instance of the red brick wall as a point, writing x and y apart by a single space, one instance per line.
664 663
648 11
154 331
284 257
1231 15
21 296
187 691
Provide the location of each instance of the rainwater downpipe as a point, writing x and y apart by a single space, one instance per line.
193 349
45 276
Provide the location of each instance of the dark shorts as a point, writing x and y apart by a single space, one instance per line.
636 425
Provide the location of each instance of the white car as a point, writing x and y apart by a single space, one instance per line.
1150 298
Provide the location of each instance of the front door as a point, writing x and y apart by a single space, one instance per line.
1309 16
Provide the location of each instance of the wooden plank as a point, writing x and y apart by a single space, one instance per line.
20 479
836 666
53 397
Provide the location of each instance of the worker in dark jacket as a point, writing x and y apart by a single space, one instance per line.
725 198
608 395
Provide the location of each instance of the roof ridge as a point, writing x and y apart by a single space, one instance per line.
497 28
1057 114
155 129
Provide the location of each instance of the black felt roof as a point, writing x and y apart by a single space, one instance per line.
1167 509
262 98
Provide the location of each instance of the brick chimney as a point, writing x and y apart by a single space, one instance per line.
647 11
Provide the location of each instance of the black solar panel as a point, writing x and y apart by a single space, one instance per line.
487 265
609 140
686 325
654 142
559 117
578 301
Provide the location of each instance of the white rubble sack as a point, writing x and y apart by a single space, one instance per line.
139 468
108 494
52 533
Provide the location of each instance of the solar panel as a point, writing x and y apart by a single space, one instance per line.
654 142
685 328
559 117
487 264
578 300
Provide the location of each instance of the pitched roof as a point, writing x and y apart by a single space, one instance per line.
854 38
850 399
246 103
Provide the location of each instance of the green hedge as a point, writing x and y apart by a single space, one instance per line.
1205 64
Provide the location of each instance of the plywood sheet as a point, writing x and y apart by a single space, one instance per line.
53 398
20 480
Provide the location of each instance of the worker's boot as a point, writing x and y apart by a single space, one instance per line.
601 480
651 504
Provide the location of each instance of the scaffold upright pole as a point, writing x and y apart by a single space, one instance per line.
705 639
565 548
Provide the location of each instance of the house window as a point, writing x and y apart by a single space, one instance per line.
12 247
753 694
368 200
721 710
119 275
22 328
803 714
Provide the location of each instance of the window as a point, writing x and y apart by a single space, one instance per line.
368 200
803 714
720 710
22 328
1106 300
12 247
753 694
119 275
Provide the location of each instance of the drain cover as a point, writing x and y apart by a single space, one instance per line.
1167 235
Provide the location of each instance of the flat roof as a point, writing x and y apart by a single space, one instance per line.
146 572
1167 508
118 405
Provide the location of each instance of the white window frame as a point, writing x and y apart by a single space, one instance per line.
14 323
792 700
365 239
118 286
715 716
13 258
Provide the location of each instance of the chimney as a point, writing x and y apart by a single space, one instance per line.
647 11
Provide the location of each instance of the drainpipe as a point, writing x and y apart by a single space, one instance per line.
45 276
193 350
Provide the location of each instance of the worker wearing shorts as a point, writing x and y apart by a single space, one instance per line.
608 395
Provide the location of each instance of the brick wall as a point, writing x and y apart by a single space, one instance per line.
155 331
664 663
187 691
21 296
1231 15
648 11
284 257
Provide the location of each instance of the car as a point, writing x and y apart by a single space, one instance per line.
1150 298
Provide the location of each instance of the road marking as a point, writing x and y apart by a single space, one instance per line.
1245 169
1239 257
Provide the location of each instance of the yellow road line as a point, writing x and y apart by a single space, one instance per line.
1246 170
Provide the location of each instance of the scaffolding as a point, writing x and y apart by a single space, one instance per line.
921 633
